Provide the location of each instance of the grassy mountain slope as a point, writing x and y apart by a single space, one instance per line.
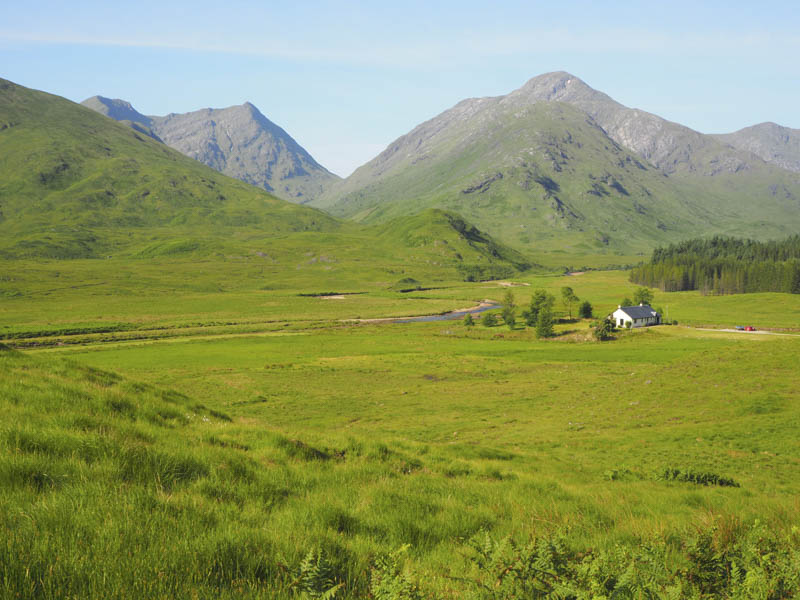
536 170
238 141
75 184
538 176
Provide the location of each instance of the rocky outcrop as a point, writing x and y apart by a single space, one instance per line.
671 147
774 143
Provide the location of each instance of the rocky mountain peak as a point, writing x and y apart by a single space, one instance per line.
773 143
558 86
238 141
117 109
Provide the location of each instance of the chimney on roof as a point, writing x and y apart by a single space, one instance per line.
619 305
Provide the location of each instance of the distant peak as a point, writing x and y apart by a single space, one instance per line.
253 109
556 79
558 86
559 78
555 75
120 110
110 102
769 125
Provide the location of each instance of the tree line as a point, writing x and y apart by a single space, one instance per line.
724 265
538 314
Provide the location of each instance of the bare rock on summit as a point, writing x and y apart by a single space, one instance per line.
117 109
774 143
238 141
669 146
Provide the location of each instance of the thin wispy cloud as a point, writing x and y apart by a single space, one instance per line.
459 50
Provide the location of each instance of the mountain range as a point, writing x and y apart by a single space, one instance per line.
75 184
238 141
773 143
552 166
557 163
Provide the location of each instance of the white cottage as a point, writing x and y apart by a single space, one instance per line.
637 316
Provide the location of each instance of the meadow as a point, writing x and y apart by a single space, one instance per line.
214 429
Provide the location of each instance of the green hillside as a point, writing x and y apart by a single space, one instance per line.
544 175
76 184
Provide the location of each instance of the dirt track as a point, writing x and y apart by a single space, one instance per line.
757 332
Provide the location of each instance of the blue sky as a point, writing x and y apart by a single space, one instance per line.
347 78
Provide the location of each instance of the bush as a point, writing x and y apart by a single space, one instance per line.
603 330
585 310
489 319
544 324
469 321
700 478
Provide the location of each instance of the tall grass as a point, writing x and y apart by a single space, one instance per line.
112 487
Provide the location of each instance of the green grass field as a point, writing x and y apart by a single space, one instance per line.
201 429
199 399
165 297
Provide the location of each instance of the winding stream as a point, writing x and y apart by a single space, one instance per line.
451 316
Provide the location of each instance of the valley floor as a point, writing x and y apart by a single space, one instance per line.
249 443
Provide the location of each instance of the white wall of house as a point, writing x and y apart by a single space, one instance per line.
621 319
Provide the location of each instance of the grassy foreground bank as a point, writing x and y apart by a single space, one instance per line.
397 461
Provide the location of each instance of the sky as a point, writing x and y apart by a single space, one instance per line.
347 78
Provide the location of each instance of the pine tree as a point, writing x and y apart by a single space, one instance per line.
544 323
539 301
489 319
509 310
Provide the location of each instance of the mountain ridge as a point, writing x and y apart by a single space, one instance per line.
774 143
76 185
238 141
559 160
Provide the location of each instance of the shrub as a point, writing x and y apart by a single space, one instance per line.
489 319
603 330
468 320
585 310
691 476
544 324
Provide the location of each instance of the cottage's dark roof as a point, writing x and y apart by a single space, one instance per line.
639 312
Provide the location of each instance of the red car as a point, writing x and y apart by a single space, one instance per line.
749 328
